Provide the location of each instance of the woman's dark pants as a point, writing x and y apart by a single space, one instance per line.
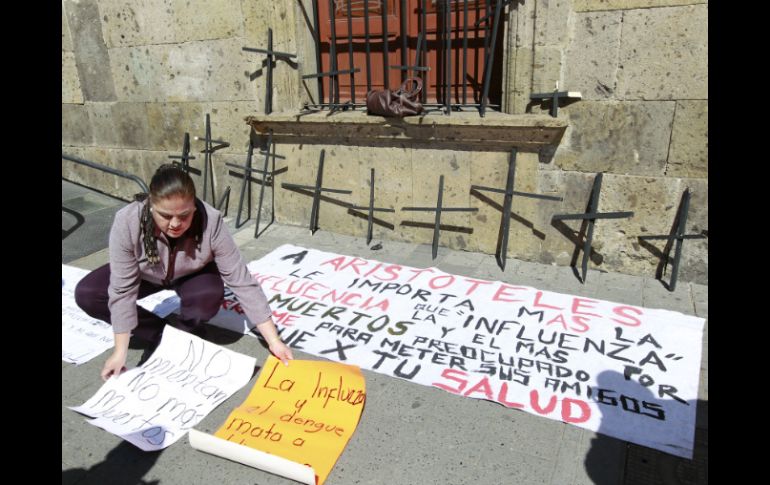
201 296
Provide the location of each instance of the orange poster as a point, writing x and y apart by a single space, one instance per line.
302 414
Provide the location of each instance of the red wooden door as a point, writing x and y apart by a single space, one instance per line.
376 44
436 52
433 46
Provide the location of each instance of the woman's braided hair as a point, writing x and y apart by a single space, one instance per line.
169 180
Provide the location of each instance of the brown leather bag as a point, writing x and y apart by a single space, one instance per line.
400 103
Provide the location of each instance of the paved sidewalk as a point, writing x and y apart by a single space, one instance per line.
409 433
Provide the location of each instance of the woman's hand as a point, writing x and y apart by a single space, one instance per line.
274 343
281 350
114 365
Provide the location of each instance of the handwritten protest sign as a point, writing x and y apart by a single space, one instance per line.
83 337
154 405
304 413
623 370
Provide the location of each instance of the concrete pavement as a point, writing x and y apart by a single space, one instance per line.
409 433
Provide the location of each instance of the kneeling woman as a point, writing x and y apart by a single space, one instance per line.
170 240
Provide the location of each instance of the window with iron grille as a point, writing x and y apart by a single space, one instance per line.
451 38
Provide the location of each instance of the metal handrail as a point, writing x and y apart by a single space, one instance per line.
107 169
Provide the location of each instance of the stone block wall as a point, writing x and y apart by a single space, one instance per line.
642 69
137 75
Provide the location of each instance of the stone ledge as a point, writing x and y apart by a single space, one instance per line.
460 131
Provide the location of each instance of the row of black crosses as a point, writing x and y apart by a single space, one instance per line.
248 171
208 151
675 237
591 215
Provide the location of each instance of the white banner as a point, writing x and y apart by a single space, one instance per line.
83 337
154 405
625 371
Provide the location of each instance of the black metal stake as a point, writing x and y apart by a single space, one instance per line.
317 40
438 210
417 55
424 33
244 187
416 67
368 50
456 54
677 235
334 83
505 221
489 59
476 67
208 163
269 96
437 222
448 54
208 170
313 226
272 192
385 57
465 50
186 157
224 200
265 175
350 54
317 189
404 45
371 208
267 178
591 216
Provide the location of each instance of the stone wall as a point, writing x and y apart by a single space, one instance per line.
642 69
137 75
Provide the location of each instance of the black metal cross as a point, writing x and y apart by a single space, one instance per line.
555 97
247 170
185 156
417 55
507 202
317 189
224 200
677 235
371 209
438 210
592 214
208 170
266 179
271 54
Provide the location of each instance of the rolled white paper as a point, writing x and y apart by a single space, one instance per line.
251 457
